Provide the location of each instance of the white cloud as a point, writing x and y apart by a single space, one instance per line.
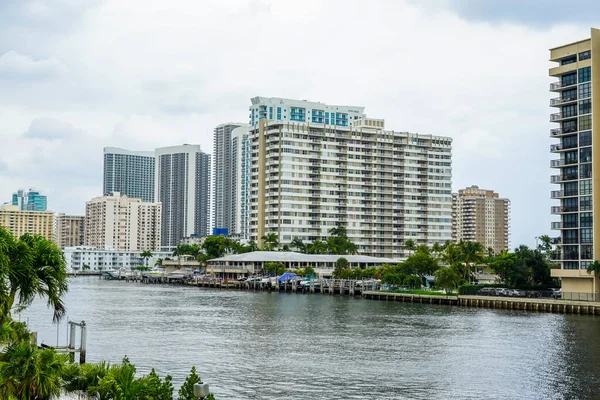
143 74
15 66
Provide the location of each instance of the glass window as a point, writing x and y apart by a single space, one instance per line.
586 187
569 111
569 126
586 219
585 122
585 106
571 204
570 252
584 55
585 74
570 237
571 157
571 94
570 172
570 188
568 60
585 203
585 138
569 142
586 235
585 171
585 90
585 154
587 252
570 221
568 79
570 265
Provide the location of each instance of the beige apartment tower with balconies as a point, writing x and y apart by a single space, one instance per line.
118 222
20 222
69 230
577 131
481 215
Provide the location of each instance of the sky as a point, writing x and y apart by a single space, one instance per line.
76 76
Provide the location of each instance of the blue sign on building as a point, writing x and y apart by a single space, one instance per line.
220 231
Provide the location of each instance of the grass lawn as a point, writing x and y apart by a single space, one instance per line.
423 292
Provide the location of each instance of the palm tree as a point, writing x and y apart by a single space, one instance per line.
594 267
158 262
471 254
317 247
410 245
146 254
270 242
436 249
28 373
298 244
29 267
339 231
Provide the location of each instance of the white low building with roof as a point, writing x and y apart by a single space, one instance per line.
323 264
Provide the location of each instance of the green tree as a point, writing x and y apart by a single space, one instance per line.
317 247
217 246
158 262
274 268
186 392
436 250
146 255
270 242
471 255
452 254
594 267
341 265
298 244
419 263
409 245
447 278
85 267
185 249
30 267
309 272
27 373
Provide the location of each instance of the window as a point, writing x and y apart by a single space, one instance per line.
570 265
570 94
585 138
585 203
585 154
585 106
571 204
586 220
569 126
568 79
584 55
568 111
571 157
585 90
568 60
585 74
569 142
570 253
570 221
570 237
586 235
585 187
585 171
585 122
570 188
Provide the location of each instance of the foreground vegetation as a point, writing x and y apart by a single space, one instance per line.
32 266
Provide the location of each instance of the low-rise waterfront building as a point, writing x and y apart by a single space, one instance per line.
97 260
323 264
20 222
69 230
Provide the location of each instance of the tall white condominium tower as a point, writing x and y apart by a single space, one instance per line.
226 178
317 166
118 222
182 186
129 172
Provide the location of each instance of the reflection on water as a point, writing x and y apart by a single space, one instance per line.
275 346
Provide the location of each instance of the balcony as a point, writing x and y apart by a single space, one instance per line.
563 210
561 163
558 132
562 225
560 116
560 85
560 147
559 101
563 178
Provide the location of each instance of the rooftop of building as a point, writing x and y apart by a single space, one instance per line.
290 256
118 150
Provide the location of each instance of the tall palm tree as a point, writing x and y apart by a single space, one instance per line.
30 374
317 247
410 245
270 241
298 244
471 254
146 254
594 267
339 231
29 267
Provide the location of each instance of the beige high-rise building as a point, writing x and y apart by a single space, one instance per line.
69 230
480 215
20 221
118 222
576 130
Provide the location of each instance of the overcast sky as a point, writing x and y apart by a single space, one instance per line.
78 75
